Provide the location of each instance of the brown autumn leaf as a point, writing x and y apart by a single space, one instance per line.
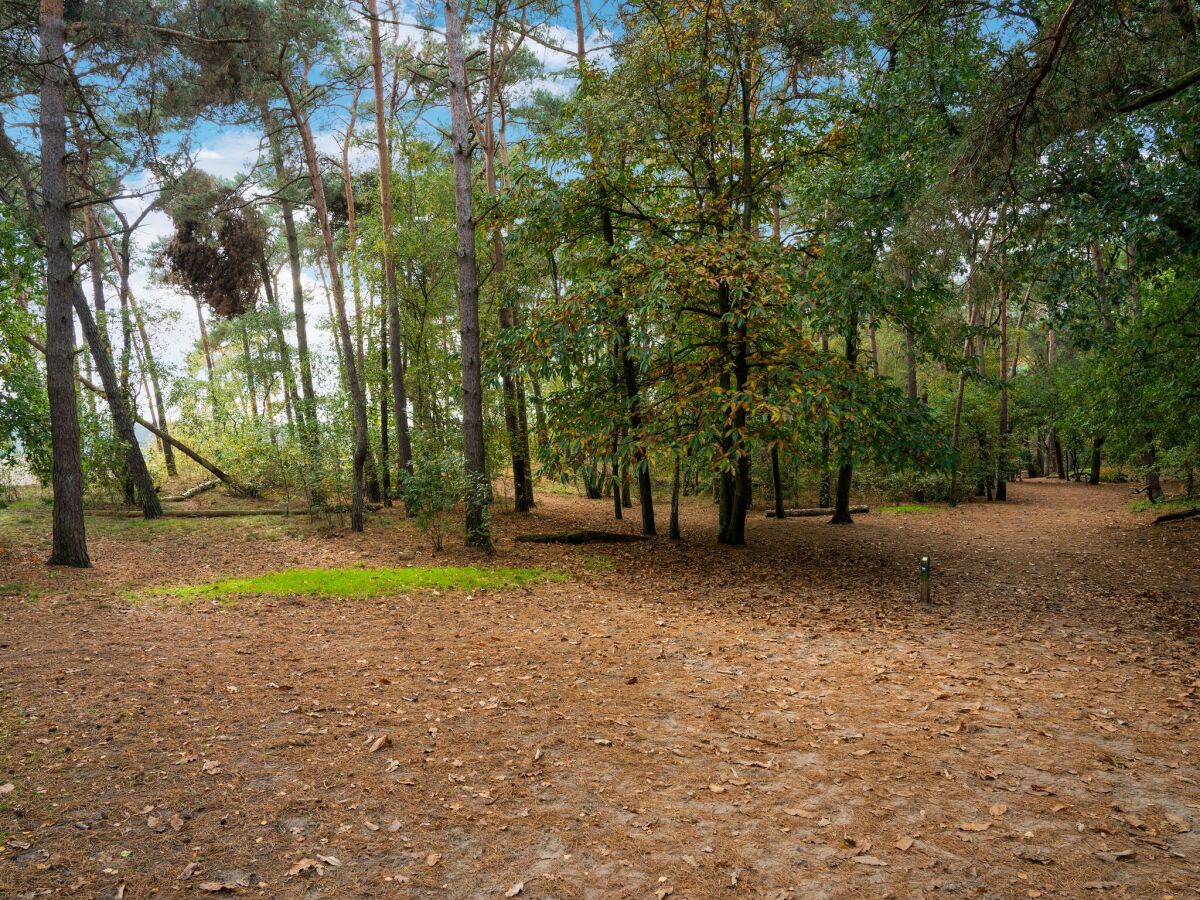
869 861
975 826
800 812
903 843
432 859
996 810
380 742
7 788
301 866
515 889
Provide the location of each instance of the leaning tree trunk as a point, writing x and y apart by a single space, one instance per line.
478 534
69 546
122 262
122 421
357 400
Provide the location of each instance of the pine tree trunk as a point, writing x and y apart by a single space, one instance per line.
251 384
354 385
292 400
385 456
306 412
391 294
155 396
478 532
69 547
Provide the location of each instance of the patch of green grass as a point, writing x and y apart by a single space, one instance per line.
907 508
353 583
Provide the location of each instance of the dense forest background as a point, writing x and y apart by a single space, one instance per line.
778 252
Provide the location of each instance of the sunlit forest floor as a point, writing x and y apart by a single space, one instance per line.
783 720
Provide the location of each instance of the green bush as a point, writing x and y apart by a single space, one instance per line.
436 485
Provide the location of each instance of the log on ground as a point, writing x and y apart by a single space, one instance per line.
1178 515
192 491
816 511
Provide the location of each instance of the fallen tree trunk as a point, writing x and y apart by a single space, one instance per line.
230 513
1177 515
245 490
192 491
816 511
580 537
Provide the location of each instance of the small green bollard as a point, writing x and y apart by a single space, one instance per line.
925 567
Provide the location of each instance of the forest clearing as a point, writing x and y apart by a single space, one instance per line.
786 721
619 448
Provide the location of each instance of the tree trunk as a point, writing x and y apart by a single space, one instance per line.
478 532
1094 472
122 421
122 262
390 293
281 346
251 386
357 400
69 546
616 476
841 500
825 491
776 480
734 487
1154 489
1002 448
1059 467
208 360
306 412
385 456
673 527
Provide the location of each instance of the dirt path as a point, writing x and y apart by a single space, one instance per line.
782 720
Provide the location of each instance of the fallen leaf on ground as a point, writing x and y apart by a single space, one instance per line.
515 889
800 812
302 865
903 844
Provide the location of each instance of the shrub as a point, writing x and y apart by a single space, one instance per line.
432 489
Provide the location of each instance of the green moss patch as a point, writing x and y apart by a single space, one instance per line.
353 583
907 508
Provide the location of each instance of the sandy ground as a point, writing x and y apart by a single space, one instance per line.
676 719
